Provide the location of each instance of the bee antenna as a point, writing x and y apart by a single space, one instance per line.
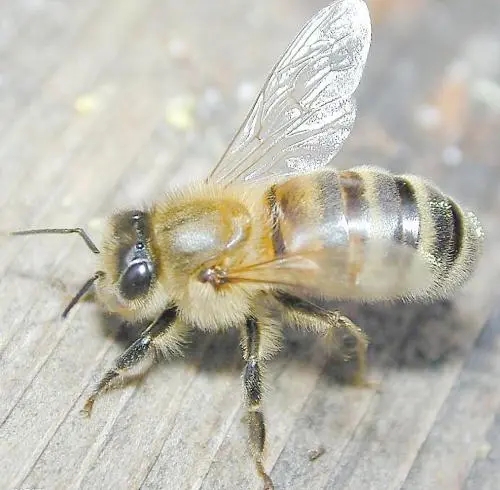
81 293
61 231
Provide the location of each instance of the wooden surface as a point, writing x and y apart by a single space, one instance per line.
107 104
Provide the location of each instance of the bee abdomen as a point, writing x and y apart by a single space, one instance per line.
388 217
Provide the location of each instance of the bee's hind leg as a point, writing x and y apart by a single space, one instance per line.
340 321
302 313
165 334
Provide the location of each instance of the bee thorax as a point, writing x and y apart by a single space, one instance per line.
214 308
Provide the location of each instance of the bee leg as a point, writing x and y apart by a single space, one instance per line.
305 314
340 321
164 334
252 383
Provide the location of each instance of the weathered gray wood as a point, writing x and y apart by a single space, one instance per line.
85 128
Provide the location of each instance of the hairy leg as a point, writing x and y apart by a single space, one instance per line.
166 334
252 382
299 312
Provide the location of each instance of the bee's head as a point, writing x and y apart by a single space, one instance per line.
126 282
129 284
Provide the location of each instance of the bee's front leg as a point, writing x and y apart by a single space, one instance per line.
166 334
252 383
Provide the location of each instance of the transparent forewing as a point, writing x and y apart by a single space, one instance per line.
305 110
379 270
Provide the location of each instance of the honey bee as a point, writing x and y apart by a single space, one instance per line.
274 229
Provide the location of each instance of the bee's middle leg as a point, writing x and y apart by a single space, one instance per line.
252 383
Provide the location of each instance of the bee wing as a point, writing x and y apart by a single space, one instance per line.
304 111
379 270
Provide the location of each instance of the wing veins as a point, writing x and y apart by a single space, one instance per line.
289 127
322 65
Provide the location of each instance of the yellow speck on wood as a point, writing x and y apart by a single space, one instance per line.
86 103
179 112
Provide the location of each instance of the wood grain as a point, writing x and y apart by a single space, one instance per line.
87 91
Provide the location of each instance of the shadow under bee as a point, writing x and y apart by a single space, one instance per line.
404 336
210 351
401 335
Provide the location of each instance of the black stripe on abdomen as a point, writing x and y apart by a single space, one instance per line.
408 226
448 225
458 231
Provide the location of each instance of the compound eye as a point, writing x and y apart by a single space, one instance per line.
136 280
